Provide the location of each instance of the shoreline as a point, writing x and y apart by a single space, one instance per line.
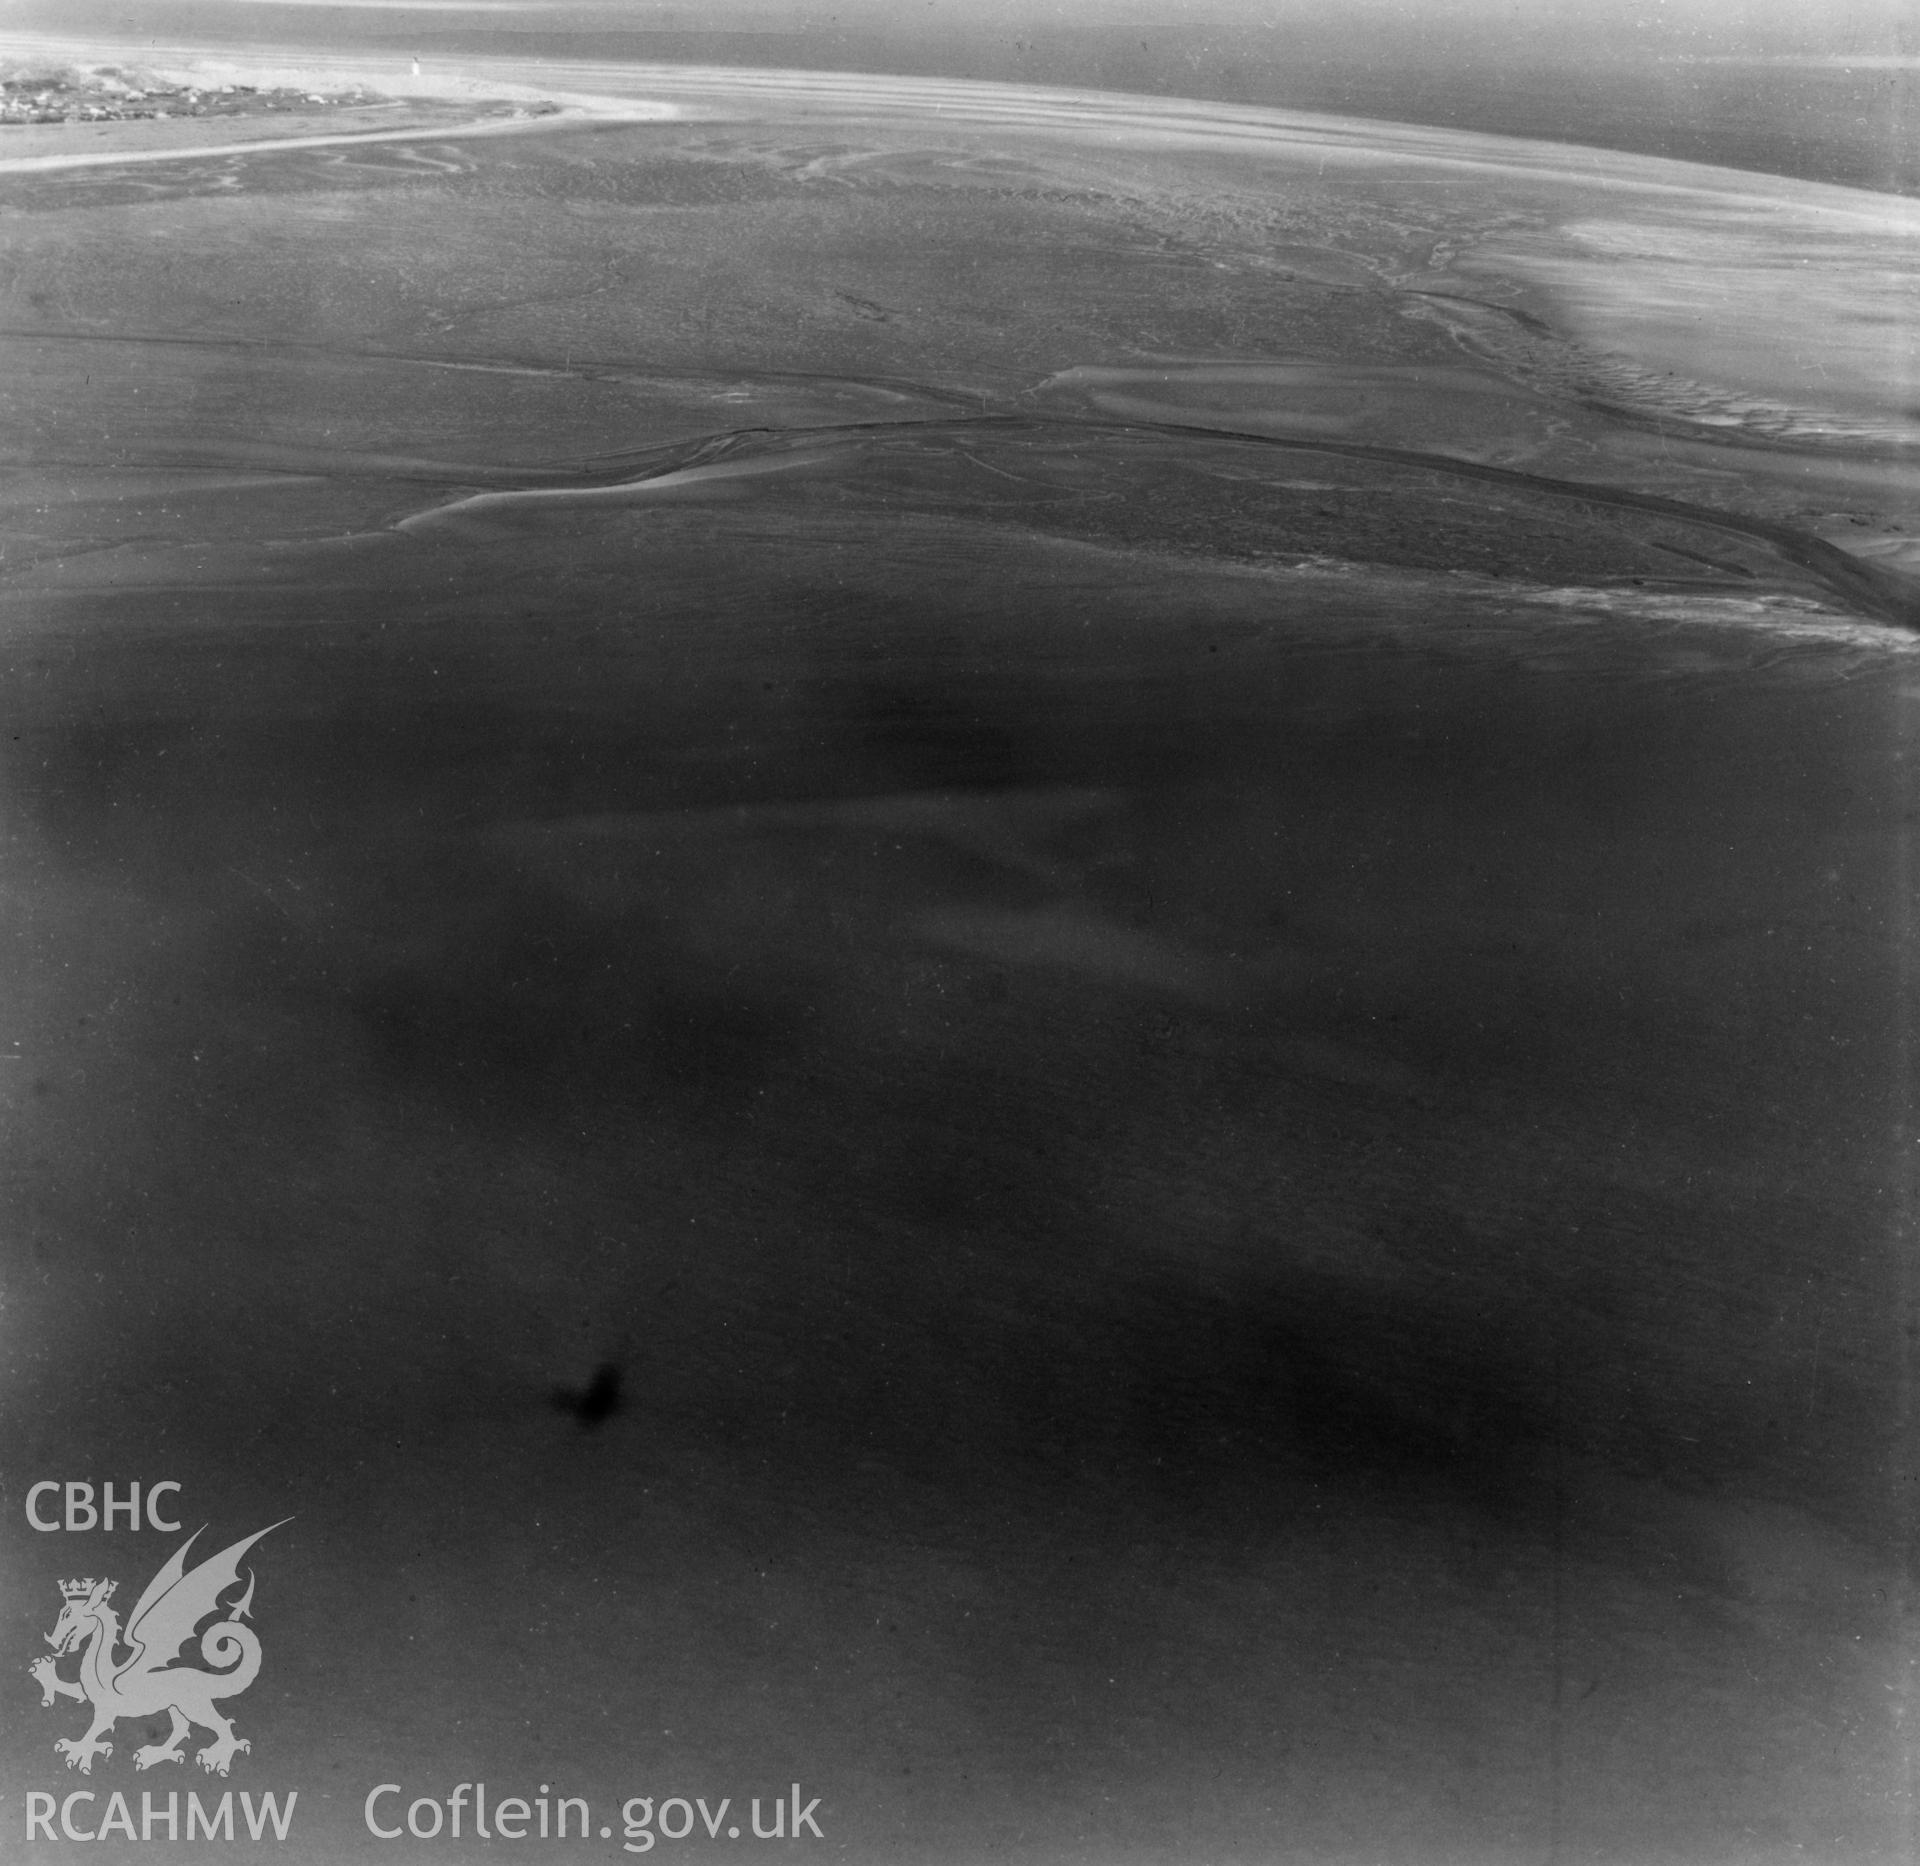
666 92
239 145
438 104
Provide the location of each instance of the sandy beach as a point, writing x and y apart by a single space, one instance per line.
417 105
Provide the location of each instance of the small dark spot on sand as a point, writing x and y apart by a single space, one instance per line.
594 1403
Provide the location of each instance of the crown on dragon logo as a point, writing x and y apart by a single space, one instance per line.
79 1590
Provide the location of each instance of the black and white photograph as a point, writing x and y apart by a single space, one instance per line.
959 932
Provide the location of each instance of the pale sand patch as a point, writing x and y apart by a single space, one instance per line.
106 155
150 136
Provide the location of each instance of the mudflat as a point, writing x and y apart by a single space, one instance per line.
1041 957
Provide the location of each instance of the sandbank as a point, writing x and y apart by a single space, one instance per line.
391 101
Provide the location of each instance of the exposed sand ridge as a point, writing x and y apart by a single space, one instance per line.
1864 585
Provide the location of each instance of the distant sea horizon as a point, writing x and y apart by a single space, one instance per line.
1847 124
1840 123
1846 121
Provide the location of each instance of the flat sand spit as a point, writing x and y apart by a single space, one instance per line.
141 136
390 103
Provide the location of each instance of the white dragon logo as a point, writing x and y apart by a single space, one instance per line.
148 1681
